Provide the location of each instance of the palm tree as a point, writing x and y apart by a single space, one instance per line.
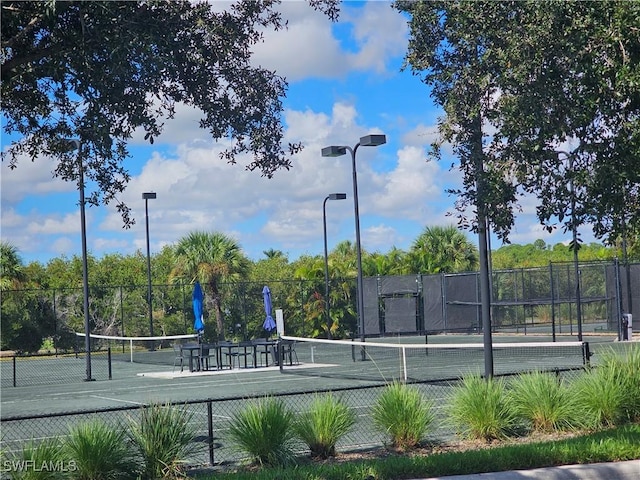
443 250
212 259
11 270
273 254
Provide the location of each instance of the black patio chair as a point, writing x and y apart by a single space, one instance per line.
208 352
179 357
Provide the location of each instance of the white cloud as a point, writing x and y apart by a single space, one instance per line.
30 178
406 190
63 246
380 32
56 224
421 135
379 238
308 47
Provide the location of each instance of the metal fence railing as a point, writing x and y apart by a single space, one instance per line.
212 418
523 300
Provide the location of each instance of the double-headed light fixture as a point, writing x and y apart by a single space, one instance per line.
337 151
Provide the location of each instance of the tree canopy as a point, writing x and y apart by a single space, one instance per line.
97 71
519 81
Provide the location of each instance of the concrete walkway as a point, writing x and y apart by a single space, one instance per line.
628 470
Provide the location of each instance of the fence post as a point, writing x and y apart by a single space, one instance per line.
14 371
109 361
553 310
55 322
210 427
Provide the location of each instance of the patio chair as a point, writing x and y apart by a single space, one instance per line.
265 350
288 350
179 357
243 349
208 352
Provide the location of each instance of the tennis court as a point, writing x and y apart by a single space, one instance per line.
318 368
213 397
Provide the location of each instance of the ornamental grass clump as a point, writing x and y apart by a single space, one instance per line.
100 452
624 366
479 409
402 413
264 430
164 437
46 458
609 394
326 421
543 401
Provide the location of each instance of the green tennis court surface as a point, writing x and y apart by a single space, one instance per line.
135 383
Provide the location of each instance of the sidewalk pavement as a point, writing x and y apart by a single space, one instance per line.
628 470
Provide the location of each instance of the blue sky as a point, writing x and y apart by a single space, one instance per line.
345 81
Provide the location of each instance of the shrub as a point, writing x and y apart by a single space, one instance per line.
327 420
479 409
610 393
264 430
624 366
404 414
543 401
100 452
164 437
48 452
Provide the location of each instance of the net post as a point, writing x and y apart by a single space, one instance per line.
404 363
586 354
14 371
109 360
131 350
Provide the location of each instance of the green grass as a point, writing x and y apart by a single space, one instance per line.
617 444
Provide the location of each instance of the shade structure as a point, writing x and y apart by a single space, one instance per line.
269 325
197 297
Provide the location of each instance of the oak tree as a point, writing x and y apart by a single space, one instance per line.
97 71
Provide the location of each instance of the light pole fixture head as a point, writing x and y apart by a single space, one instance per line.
71 144
337 196
373 140
149 195
334 151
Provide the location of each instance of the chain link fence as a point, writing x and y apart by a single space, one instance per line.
212 419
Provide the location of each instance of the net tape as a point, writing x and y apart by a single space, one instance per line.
437 360
130 340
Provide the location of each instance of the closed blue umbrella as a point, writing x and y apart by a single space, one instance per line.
269 325
198 322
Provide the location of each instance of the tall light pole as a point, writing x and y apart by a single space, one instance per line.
574 234
75 144
147 196
331 196
337 151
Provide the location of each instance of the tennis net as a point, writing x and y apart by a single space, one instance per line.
151 350
378 361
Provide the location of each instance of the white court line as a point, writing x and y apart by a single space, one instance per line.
116 400
211 373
